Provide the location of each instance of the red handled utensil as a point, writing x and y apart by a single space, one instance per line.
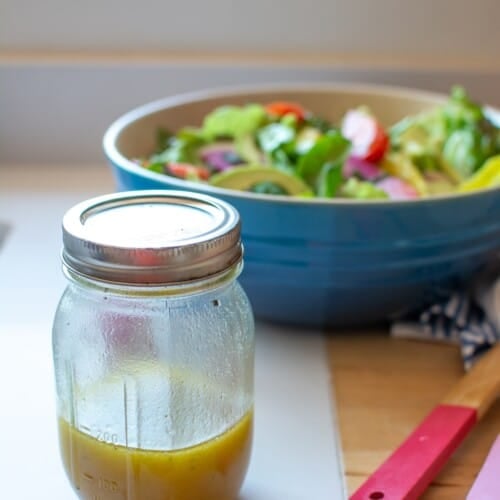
409 470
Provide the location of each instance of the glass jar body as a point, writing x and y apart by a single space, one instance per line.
154 389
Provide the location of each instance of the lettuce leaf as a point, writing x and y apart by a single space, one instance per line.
455 138
275 135
314 167
362 190
233 121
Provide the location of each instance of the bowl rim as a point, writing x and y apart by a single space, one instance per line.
119 160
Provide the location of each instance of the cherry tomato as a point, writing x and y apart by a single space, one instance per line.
186 170
379 146
369 139
282 108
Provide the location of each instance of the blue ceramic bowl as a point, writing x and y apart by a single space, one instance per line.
328 262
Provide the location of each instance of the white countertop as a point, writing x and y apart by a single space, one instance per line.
295 454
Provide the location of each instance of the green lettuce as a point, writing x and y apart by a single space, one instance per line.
233 121
321 166
455 138
361 190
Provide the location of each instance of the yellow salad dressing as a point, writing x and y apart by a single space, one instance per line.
213 470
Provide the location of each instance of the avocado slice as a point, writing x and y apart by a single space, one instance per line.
248 150
244 178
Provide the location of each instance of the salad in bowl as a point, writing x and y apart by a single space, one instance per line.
282 148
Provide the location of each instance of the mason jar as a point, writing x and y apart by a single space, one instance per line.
153 345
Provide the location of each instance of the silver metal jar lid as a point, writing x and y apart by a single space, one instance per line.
151 237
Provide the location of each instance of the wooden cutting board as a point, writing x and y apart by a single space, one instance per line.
383 388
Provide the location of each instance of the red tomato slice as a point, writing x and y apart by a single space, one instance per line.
185 170
282 108
369 140
379 146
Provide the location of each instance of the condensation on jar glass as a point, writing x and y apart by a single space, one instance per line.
153 345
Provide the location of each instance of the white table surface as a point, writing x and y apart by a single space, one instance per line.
295 454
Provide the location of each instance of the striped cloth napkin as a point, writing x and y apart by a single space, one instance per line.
470 318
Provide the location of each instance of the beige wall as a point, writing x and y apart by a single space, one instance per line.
464 30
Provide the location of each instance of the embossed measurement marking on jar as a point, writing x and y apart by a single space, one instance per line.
102 483
107 437
107 484
103 436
